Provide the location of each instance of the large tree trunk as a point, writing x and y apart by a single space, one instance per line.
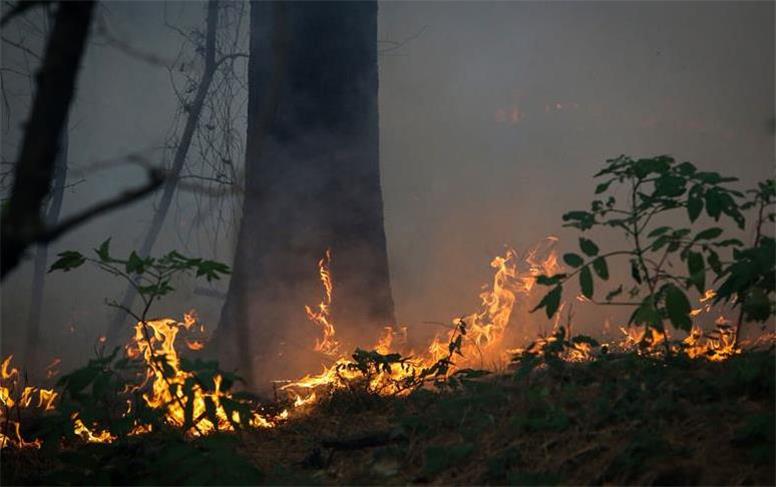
312 183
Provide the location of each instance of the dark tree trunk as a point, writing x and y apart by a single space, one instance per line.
312 183
22 223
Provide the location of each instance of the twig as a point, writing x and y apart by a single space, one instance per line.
125 198
377 438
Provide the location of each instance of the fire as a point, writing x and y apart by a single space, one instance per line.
481 339
176 391
51 369
14 398
328 344
80 429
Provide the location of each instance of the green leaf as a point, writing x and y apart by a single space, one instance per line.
713 204
669 186
646 314
756 305
588 247
551 301
103 252
614 293
697 270
729 242
600 268
573 260
579 219
135 264
685 169
211 269
658 231
68 259
586 282
709 234
603 187
549 280
714 262
678 308
694 207
635 274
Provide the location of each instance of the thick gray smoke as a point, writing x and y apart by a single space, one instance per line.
494 116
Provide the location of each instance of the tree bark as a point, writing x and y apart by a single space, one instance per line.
312 183
22 223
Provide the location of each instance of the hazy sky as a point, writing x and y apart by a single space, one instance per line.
493 118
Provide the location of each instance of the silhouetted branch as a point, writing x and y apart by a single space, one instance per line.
395 45
22 223
129 196
21 47
20 8
194 109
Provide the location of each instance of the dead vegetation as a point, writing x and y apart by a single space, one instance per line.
620 420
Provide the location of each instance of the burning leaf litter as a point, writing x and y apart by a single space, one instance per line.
473 341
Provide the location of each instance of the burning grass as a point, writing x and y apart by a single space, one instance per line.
646 409
619 419
655 407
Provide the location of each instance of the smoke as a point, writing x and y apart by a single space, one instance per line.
494 116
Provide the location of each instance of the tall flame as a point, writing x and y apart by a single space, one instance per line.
479 339
322 316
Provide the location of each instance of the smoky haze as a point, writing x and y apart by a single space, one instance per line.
493 118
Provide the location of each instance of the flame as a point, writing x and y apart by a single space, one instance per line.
480 339
484 331
80 429
51 369
195 345
13 399
328 344
154 341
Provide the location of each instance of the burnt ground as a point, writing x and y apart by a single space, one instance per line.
622 419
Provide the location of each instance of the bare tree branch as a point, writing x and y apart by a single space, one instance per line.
155 181
20 46
22 223
194 109
20 8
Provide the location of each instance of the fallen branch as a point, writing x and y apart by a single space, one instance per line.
369 440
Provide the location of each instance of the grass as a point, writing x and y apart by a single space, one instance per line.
622 419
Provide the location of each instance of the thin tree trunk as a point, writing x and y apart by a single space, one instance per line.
313 184
41 257
22 220
194 111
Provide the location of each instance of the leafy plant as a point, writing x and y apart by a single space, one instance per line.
150 276
750 280
369 364
660 188
99 392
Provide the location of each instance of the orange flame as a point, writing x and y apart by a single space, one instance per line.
328 344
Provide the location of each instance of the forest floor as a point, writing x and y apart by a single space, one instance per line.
621 419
